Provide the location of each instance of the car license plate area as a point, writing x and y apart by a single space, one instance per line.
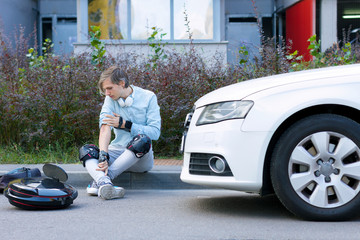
186 128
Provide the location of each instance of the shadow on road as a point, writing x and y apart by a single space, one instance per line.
242 205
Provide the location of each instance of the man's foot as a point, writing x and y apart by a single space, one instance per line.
107 191
92 189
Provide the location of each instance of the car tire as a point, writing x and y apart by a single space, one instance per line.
315 168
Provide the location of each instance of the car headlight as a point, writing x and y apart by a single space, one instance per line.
224 111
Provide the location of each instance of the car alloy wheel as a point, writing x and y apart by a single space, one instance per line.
322 168
315 167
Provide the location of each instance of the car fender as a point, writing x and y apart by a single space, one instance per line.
273 106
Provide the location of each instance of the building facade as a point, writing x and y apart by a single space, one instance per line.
216 26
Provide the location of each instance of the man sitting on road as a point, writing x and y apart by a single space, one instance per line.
134 115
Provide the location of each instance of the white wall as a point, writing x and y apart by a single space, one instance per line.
328 21
207 50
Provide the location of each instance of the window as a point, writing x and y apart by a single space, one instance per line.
146 14
110 16
133 19
200 19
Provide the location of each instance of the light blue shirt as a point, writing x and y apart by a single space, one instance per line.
144 113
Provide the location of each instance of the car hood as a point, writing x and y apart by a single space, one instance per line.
241 90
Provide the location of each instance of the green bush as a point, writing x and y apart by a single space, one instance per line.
278 58
52 102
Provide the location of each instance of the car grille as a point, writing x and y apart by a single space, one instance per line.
199 165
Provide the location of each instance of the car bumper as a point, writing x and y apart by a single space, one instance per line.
243 151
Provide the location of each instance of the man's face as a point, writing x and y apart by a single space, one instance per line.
113 90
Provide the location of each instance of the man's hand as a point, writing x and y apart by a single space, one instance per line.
103 162
114 121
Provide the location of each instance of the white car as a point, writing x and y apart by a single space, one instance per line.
295 134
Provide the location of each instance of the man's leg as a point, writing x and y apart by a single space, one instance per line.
144 164
98 176
121 163
103 186
127 161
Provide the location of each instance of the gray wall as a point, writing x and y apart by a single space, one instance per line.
28 13
283 4
240 28
264 7
14 13
63 27
58 7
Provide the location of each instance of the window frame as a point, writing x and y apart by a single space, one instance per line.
83 4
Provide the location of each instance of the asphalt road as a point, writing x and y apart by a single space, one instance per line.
169 214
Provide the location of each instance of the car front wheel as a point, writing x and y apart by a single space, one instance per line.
315 168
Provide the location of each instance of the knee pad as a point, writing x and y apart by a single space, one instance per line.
88 151
140 145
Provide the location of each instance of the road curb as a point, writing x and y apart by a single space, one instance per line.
160 177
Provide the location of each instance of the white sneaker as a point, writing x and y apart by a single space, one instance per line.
108 191
92 189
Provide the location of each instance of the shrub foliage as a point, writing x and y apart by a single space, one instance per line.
53 100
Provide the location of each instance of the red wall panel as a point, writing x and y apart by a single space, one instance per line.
300 26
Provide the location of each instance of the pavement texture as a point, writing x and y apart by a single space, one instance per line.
164 175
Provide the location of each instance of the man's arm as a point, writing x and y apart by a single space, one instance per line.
104 137
104 141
